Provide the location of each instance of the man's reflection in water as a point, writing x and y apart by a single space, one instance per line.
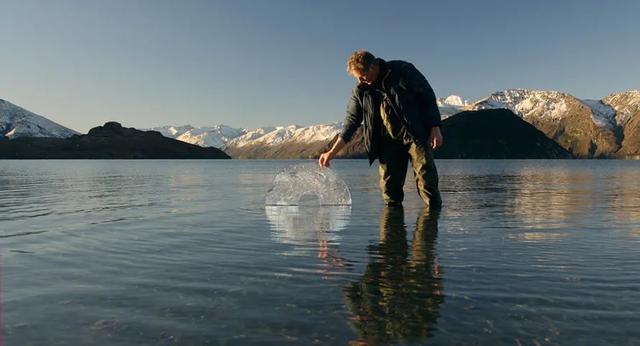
399 295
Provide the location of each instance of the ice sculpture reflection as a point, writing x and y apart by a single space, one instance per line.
311 230
303 225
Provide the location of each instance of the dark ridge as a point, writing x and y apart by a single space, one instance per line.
111 141
495 134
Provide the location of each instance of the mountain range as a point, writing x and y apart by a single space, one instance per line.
606 128
586 128
110 141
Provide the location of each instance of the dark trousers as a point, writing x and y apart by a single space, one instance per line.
395 155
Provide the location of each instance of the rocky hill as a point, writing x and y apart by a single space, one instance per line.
626 106
111 141
495 134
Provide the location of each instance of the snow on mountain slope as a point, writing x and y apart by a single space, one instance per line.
452 100
626 104
602 115
527 103
216 136
17 122
172 131
221 136
209 136
293 133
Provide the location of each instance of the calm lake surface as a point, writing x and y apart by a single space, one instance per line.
185 252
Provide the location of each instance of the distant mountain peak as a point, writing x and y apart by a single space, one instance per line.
452 100
451 105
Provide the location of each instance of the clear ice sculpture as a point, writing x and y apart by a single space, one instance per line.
308 184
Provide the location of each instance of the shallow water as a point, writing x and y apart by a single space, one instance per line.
185 252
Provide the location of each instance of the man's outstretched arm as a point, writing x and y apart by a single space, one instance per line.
352 121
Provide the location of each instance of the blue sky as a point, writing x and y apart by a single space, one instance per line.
259 63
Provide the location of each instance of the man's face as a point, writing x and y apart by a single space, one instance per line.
367 77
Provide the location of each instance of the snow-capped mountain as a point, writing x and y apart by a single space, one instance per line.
587 128
451 105
222 136
17 122
292 133
524 102
209 136
625 105
172 131
613 110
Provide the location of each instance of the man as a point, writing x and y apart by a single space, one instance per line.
401 123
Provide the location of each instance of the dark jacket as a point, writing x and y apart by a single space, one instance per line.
410 96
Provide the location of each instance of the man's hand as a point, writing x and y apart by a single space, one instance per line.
328 156
325 158
435 140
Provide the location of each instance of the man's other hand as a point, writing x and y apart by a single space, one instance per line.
435 140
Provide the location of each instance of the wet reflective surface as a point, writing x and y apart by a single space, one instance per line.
400 292
186 252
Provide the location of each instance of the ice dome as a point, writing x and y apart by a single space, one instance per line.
308 184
